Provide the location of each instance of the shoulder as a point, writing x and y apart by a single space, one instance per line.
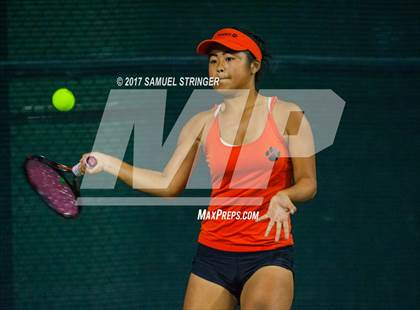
197 124
287 113
285 106
201 118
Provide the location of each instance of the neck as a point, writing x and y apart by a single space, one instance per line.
240 101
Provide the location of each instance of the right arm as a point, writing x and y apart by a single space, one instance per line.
167 183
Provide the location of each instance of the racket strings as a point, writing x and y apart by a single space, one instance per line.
52 187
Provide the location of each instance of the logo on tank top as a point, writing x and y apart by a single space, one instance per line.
272 153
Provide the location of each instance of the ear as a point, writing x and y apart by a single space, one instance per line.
255 66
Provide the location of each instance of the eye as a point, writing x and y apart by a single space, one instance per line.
212 61
229 58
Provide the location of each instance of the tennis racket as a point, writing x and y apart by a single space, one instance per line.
57 184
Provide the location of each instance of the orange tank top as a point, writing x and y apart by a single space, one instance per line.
244 178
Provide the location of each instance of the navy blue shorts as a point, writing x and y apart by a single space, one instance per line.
232 269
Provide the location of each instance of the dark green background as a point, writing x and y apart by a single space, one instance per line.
357 242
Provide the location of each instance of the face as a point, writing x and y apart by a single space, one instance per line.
232 68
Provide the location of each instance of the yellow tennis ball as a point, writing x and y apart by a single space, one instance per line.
63 100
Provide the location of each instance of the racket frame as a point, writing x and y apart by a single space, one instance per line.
61 170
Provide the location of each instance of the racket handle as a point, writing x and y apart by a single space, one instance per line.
90 161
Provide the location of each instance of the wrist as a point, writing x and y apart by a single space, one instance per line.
282 194
112 165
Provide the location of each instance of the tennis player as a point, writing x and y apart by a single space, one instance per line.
255 146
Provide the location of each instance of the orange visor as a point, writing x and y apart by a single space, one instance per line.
232 39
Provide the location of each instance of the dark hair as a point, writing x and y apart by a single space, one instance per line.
265 63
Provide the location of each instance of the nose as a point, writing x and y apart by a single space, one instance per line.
220 67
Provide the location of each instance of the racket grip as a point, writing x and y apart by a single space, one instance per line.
90 161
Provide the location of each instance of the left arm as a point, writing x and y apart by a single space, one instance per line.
302 152
305 186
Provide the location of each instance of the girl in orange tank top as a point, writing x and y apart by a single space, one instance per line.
245 246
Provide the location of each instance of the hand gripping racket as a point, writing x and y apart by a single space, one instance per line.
57 184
